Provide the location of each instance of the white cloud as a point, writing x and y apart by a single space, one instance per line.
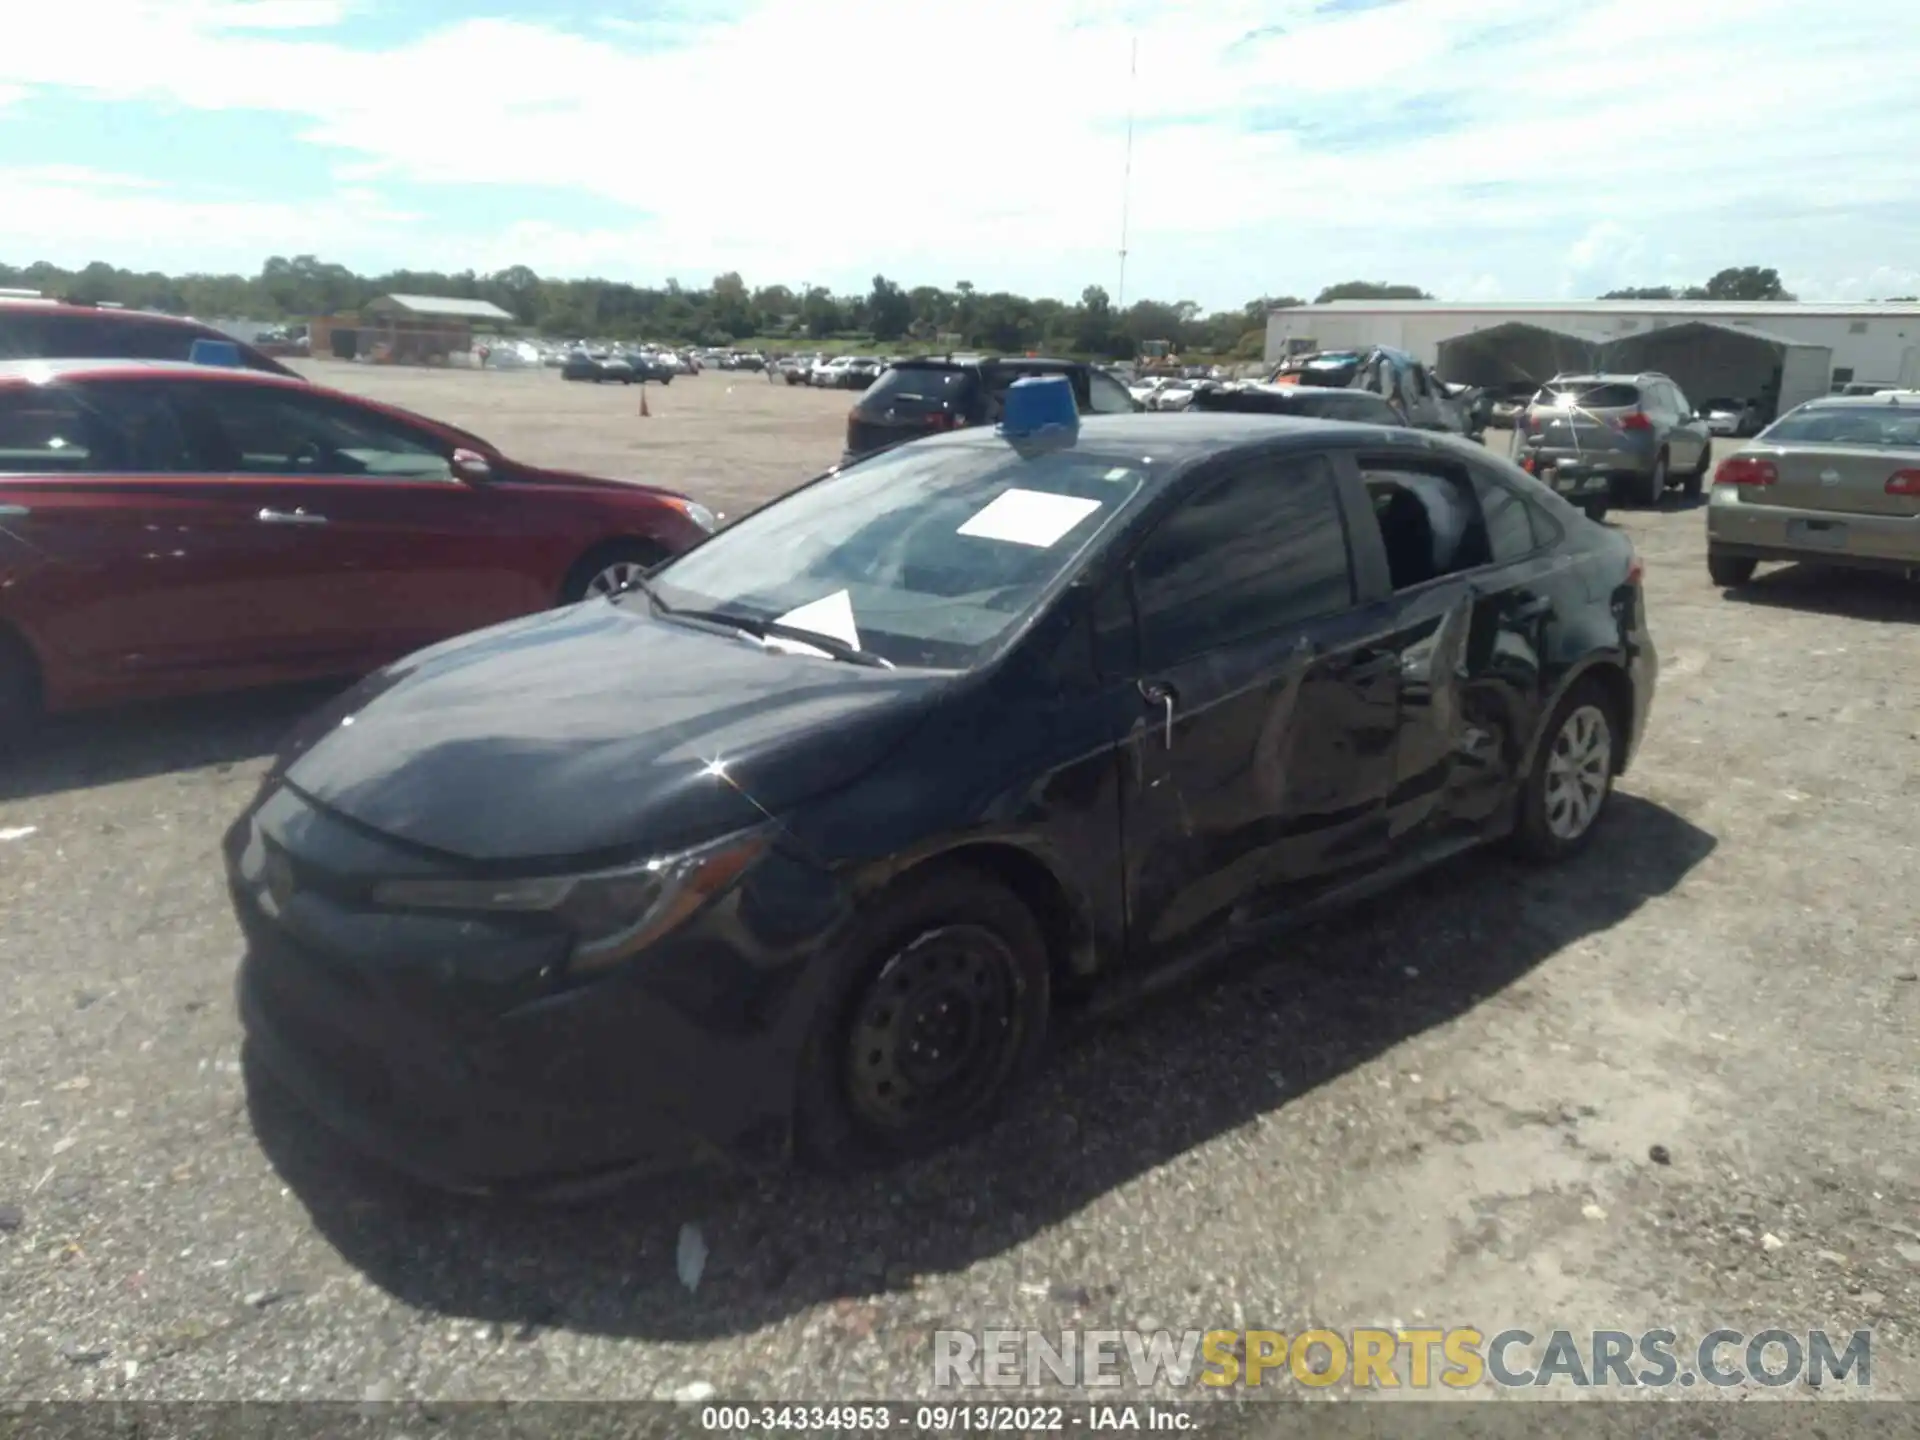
830 140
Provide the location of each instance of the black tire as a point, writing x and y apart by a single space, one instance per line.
580 579
1596 509
1536 837
956 923
19 694
1696 479
1730 572
1654 487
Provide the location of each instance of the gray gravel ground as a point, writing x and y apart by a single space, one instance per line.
1440 1111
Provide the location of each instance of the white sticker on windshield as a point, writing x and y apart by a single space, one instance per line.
831 615
1119 472
1029 517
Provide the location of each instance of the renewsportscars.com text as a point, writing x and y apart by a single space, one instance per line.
1457 1358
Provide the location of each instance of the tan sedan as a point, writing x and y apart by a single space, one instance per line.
1835 481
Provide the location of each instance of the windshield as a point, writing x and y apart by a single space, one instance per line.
1887 426
925 556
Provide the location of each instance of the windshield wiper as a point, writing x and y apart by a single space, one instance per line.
839 649
773 629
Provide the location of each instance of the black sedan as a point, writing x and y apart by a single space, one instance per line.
586 365
801 845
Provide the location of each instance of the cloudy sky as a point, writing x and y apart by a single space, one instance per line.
1481 148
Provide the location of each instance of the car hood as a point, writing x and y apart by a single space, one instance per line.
593 730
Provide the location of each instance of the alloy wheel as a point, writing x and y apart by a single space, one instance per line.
620 576
1579 769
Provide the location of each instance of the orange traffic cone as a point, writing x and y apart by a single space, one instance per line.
643 403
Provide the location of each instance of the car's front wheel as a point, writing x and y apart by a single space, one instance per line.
936 1011
610 569
1572 776
1730 571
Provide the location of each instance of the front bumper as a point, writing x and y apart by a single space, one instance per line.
1739 526
445 1046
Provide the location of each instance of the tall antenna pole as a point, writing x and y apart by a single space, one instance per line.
1126 178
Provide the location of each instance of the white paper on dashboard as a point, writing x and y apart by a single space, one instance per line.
1029 517
831 615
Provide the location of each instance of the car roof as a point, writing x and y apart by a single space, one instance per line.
1185 437
38 372
975 362
1867 402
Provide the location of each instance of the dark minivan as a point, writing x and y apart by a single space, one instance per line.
920 397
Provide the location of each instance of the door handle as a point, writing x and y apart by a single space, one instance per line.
1159 693
290 517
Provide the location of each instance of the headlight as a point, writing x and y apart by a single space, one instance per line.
702 516
612 913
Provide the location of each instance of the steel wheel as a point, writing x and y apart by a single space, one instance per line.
612 579
1579 769
935 1034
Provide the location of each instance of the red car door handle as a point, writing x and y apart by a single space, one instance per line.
290 517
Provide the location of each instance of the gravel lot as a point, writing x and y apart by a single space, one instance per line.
1440 1111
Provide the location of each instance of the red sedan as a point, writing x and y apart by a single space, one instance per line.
170 528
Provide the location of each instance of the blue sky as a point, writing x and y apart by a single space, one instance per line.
1480 148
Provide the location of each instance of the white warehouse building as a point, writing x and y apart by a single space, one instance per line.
1779 353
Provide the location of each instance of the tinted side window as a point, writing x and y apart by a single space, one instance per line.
1509 526
1259 548
267 430
43 431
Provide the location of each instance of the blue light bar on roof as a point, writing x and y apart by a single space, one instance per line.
214 352
1039 405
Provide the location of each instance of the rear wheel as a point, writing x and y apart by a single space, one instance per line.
1572 775
1730 571
1596 508
938 1010
1656 486
1697 477
610 569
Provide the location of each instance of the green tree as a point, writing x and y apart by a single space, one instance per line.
1370 290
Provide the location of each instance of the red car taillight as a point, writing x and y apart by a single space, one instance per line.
1745 470
1904 482
1636 421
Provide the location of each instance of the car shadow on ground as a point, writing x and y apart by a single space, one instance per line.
77 752
1844 594
1123 1096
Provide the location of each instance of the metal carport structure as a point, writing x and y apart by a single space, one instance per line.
1515 352
1709 360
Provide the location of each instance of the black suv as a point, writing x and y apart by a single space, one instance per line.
39 329
913 398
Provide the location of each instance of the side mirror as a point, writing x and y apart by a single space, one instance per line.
471 466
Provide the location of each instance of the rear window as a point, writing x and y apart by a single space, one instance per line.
1873 425
919 388
1586 395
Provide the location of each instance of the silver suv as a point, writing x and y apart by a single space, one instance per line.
1592 437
